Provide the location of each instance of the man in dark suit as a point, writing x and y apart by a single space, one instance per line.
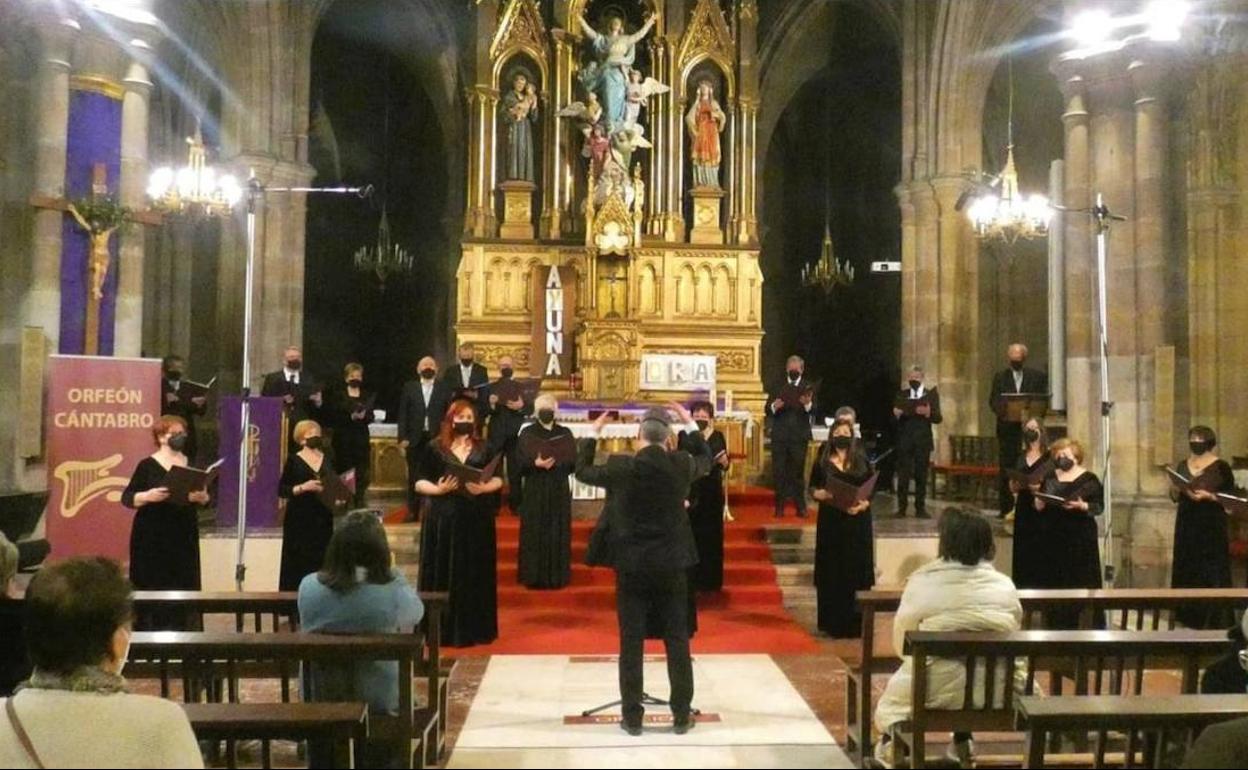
1018 378
421 407
645 533
468 375
174 401
506 420
917 409
301 394
790 436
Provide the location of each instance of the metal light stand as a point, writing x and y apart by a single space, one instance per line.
255 198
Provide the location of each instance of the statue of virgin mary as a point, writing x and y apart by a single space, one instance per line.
614 53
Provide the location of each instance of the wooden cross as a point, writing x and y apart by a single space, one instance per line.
100 257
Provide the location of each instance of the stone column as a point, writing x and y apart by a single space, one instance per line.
909 267
132 186
957 288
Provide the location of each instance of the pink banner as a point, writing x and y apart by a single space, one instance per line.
101 412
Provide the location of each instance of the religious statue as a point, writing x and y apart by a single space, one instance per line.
99 231
588 112
597 148
520 114
705 120
608 76
639 90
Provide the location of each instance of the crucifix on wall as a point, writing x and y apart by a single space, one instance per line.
613 277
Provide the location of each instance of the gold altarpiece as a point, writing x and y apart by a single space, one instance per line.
663 265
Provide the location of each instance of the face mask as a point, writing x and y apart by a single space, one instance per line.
794 374
314 442
1031 436
354 383
295 365
914 384
1065 463
173 375
177 441
463 428
702 424
546 415
428 374
842 442
1198 447
506 372
465 361
1016 366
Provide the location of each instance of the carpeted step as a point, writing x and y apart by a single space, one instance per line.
742 574
508 552
603 596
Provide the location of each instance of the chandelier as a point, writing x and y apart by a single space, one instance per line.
194 186
1008 216
829 272
386 258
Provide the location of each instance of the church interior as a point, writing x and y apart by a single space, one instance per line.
952 276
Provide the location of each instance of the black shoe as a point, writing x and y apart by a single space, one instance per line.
632 728
682 725
901 511
921 513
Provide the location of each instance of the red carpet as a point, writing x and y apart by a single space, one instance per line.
747 616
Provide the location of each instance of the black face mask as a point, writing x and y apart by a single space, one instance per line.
702 424
1065 463
914 384
546 415
177 442
173 375
506 372
314 442
794 374
428 374
465 361
1016 366
463 428
295 365
1198 447
1031 436
842 442
354 383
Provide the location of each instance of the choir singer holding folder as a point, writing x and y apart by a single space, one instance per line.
917 409
1018 378
546 456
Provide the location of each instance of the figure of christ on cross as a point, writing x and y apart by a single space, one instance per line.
617 286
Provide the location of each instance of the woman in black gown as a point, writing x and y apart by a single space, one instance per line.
1073 556
458 546
1031 535
309 523
844 539
164 539
546 506
1202 557
706 506
350 413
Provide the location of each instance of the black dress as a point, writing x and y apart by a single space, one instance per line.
706 517
458 554
164 547
1202 556
545 519
351 441
1073 556
308 524
1031 533
844 551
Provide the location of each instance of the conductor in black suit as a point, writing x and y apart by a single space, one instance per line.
467 373
175 401
917 409
648 540
301 394
790 436
1018 378
421 407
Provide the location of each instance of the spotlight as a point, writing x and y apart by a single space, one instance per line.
1091 28
1165 18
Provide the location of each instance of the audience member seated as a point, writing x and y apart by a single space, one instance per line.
75 711
1226 675
14 666
358 591
959 591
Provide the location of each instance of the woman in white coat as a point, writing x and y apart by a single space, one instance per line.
959 591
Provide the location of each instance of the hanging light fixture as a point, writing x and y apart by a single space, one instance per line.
196 186
385 258
829 272
1007 215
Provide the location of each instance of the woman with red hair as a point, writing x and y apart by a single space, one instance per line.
457 542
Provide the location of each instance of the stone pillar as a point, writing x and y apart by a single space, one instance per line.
1057 289
909 267
132 186
957 288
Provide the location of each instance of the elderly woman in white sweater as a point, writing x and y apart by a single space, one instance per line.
959 591
74 710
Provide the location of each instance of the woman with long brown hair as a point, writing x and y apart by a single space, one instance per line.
458 549
1031 529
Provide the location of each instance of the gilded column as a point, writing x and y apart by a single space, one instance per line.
746 232
134 122
659 108
558 95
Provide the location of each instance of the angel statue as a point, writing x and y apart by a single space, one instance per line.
639 90
625 141
588 112
615 52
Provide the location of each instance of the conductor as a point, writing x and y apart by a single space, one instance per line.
644 534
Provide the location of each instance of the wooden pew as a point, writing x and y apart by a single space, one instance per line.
1128 608
1100 660
219 655
345 725
1154 717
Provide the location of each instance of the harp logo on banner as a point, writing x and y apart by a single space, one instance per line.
554 307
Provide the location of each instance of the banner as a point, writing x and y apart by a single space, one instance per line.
101 412
671 371
264 458
554 320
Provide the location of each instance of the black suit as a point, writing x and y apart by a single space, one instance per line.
914 446
418 422
452 378
1010 434
182 406
644 530
790 436
505 425
302 407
